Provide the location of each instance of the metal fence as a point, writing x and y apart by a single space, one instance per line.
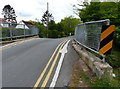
88 34
8 30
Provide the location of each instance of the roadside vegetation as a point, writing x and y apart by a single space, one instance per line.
58 30
94 11
17 32
86 79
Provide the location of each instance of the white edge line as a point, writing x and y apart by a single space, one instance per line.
54 80
8 45
13 43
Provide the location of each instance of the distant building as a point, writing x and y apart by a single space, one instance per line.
3 23
2 20
22 25
31 26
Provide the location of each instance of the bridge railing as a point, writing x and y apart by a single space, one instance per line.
8 30
88 34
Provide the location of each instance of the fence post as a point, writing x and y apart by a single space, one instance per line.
24 31
10 31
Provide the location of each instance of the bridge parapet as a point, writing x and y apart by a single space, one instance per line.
100 68
94 41
97 36
16 30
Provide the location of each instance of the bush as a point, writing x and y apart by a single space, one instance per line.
117 37
18 31
43 33
5 32
53 34
113 60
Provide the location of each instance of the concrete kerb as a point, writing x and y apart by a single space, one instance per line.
100 68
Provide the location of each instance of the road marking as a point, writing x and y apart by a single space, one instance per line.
15 43
8 45
43 72
63 51
51 68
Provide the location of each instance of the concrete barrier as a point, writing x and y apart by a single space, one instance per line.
99 67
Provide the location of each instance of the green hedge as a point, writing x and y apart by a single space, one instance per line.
5 32
15 32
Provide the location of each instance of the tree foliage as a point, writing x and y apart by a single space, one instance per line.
68 24
94 11
9 14
90 12
100 10
64 28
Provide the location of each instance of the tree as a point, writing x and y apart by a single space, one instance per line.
52 25
90 12
53 31
68 24
9 14
41 27
109 10
99 11
47 17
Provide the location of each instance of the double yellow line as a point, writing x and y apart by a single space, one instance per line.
59 47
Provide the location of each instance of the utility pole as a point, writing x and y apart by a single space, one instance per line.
47 17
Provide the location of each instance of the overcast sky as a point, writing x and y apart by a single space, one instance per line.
32 9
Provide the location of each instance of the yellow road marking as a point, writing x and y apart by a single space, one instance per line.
51 69
43 72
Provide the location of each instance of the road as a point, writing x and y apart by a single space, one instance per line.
28 64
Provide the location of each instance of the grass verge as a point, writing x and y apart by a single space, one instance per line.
86 79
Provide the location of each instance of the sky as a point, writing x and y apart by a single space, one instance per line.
32 9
